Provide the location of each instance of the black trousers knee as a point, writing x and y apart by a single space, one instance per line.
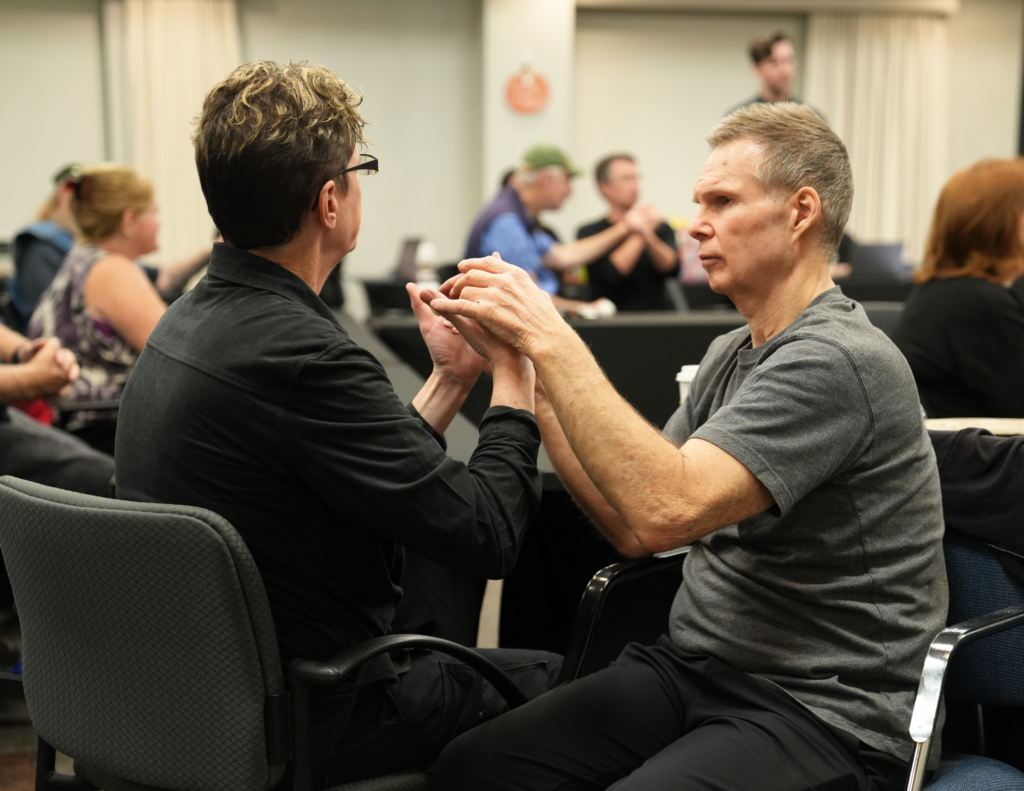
661 719
386 728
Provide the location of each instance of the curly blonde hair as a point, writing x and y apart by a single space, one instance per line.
266 140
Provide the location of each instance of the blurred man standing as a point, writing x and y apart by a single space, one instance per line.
508 224
633 274
774 61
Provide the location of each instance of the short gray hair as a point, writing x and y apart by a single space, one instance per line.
798 149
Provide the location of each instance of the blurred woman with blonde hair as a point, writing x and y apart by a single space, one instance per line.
101 304
962 329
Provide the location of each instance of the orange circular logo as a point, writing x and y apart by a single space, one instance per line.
527 92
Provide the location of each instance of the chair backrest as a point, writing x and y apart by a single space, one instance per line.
990 671
149 650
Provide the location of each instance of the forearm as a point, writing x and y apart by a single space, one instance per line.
625 256
663 255
636 469
583 251
514 383
581 488
10 341
439 400
18 384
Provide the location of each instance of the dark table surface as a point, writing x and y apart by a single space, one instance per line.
640 352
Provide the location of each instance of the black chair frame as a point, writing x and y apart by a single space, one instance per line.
596 595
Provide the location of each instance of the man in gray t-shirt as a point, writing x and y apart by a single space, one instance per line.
844 574
800 472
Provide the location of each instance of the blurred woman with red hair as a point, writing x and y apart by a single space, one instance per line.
962 329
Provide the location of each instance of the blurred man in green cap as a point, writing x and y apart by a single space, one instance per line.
508 224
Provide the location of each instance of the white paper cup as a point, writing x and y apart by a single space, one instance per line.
685 378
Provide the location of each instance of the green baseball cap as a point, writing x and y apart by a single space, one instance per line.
544 156
69 171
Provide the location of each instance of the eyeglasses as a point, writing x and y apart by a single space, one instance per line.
366 162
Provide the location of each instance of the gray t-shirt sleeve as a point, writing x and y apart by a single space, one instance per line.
800 418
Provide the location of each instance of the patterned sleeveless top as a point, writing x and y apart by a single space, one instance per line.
105 358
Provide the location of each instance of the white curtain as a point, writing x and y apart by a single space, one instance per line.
882 83
162 57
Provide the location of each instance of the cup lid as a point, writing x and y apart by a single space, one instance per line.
687 373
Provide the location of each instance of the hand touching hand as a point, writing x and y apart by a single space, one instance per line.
451 355
50 370
484 343
650 211
636 220
28 350
504 300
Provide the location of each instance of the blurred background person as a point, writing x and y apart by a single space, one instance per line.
508 225
774 59
102 304
962 329
633 274
40 248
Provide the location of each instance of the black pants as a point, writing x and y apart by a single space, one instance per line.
50 456
386 728
661 719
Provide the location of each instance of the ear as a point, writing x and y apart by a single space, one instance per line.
328 204
805 213
129 219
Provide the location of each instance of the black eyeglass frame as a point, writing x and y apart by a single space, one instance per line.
371 166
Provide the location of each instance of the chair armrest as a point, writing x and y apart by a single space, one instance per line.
596 594
933 678
304 673
334 671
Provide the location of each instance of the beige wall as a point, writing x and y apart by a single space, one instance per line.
985 80
649 82
418 64
653 84
538 33
52 99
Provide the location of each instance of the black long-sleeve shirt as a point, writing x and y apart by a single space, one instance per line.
982 479
251 400
964 340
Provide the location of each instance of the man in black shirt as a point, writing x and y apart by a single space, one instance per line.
633 274
251 400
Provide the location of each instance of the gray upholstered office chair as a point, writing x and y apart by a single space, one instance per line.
149 652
